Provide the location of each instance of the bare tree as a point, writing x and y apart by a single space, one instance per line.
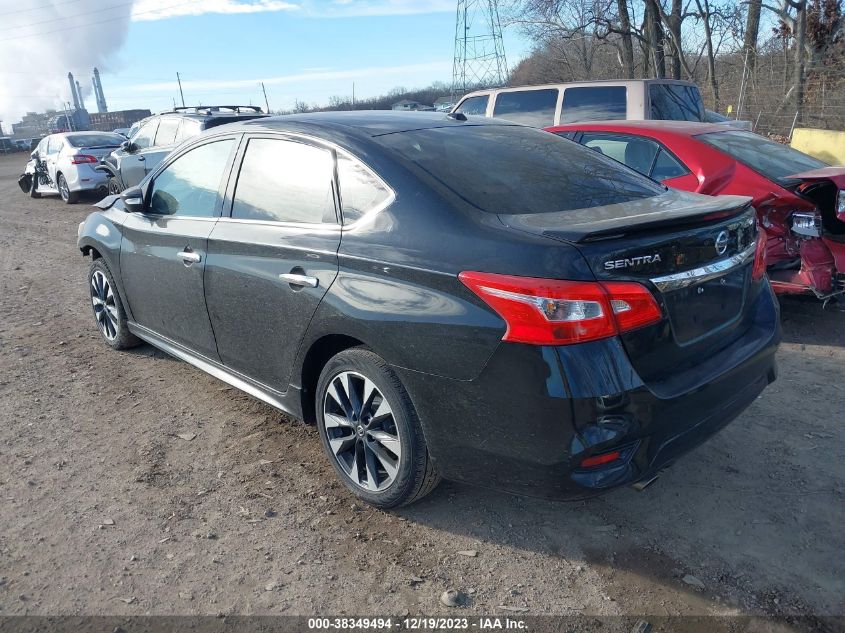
752 31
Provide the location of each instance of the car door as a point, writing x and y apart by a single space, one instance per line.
133 165
271 261
163 251
54 146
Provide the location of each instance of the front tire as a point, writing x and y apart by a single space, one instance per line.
108 308
69 197
370 431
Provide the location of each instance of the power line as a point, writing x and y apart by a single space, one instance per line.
43 6
67 17
79 26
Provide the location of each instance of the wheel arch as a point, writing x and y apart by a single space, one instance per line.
319 353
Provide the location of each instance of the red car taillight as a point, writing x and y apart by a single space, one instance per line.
759 268
555 312
78 159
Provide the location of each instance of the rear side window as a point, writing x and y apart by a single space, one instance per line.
516 170
285 181
640 154
189 186
667 166
675 102
189 129
474 105
529 107
602 103
166 134
360 189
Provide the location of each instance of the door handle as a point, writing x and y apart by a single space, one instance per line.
189 257
300 280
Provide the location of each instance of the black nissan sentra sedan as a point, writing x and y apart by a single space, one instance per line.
468 299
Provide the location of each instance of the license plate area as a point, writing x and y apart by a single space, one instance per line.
702 309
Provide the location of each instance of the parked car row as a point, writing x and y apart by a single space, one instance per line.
445 296
800 200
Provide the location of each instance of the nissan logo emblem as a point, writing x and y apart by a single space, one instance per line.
722 243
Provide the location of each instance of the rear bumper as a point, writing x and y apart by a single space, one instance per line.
526 423
86 178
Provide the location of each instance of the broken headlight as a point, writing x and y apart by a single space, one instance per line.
807 223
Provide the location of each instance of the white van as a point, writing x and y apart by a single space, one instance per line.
555 104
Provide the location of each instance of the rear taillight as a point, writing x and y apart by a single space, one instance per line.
759 268
78 159
555 312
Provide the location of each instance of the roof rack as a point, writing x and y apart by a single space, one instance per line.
201 109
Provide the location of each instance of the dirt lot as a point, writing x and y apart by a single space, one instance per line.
106 510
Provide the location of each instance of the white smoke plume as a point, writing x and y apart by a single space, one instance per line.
42 40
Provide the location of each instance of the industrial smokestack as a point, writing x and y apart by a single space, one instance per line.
98 92
79 94
73 92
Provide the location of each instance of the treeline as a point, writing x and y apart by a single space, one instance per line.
427 96
785 55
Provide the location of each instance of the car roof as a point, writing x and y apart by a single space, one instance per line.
677 128
576 84
364 123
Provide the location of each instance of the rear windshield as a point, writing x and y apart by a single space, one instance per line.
675 102
516 170
773 160
95 140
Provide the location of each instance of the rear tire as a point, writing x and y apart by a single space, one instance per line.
69 197
113 186
370 431
108 308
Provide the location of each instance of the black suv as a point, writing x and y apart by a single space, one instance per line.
158 135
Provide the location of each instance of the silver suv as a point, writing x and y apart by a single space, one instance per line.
156 136
556 104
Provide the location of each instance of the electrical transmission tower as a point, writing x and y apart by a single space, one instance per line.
479 49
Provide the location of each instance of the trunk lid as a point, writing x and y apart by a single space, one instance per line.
834 174
693 252
98 152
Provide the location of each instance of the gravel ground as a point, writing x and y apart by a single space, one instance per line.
107 509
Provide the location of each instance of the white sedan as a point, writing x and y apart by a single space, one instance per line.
64 164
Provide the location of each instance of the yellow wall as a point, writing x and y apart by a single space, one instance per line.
825 145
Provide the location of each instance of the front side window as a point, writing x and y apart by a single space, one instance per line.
360 189
189 186
529 107
166 134
675 102
144 137
601 103
510 169
285 181
476 106
773 160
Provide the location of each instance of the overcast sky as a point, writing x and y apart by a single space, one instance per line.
307 50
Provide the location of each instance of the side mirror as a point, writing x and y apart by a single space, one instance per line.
33 154
127 146
133 200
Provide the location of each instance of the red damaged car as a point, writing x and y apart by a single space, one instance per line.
800 200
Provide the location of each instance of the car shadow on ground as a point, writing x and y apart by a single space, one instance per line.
752 511
807 321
